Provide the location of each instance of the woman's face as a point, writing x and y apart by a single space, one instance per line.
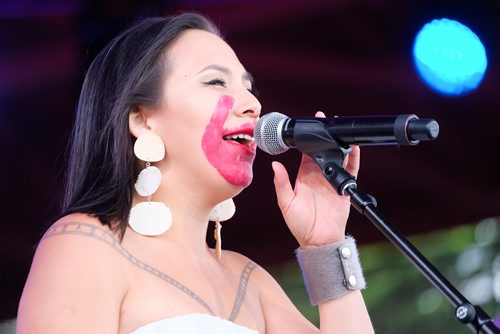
208 112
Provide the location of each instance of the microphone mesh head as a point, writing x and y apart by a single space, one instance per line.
268 133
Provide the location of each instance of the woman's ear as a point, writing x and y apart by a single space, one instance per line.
138 121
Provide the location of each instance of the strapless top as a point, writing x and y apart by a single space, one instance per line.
194 323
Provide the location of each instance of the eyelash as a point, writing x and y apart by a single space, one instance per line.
222 83
216 82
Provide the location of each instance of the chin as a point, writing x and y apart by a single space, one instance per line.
241 180
237 187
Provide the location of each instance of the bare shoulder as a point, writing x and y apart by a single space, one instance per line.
76 277
78 240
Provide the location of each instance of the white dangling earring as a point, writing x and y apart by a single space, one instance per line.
149 218
222 212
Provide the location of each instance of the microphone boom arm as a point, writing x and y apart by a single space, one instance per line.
330 159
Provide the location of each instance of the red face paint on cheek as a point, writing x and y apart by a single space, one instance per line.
233 161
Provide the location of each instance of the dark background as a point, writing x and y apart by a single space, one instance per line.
343 57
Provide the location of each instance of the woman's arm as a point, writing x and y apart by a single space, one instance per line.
317 216
73 286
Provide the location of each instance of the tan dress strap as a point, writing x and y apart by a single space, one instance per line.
240 296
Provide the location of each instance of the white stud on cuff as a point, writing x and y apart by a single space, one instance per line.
351 281
345 252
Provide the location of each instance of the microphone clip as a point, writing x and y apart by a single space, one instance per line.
331 161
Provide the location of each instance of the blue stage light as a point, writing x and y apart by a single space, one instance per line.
449 57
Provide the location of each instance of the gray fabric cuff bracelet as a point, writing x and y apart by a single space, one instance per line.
331 271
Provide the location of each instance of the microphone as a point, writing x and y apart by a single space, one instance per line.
275 133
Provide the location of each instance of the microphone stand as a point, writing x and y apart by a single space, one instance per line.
330 159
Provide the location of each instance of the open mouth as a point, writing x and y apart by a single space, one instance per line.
241 138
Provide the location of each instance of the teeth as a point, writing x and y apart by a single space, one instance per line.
250 140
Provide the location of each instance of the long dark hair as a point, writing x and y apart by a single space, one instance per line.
126 74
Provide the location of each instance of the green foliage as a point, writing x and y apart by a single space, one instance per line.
8 327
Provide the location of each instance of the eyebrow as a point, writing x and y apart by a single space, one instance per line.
246 76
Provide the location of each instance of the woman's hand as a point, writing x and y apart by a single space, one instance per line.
314 212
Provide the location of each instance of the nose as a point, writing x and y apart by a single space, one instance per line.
247 104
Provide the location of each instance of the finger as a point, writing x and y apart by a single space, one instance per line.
305 159
353 161
307 166
284 190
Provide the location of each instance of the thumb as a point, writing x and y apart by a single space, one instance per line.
284 190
